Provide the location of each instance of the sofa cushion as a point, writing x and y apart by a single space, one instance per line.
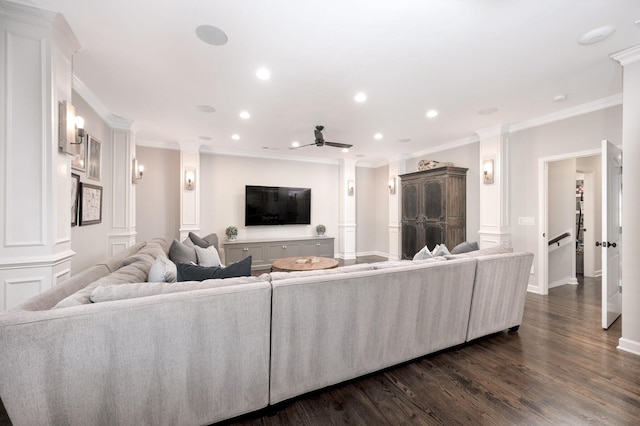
190 272
182 253
465 247
482 252
130 291
117 261
207 256
280 275
163 270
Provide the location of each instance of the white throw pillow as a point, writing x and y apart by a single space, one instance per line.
208 256
440 250
163 270
423 254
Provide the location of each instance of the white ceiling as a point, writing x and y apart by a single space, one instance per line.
143 61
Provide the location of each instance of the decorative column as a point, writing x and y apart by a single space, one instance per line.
494 196
397 167
347 214
36 51
122 226
630 61
189 188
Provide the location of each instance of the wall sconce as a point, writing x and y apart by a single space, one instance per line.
79 121
70 127
487 171
350 187
392 185
137 171
189 180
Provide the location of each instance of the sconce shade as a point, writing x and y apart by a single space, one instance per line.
487 172
137 171
66 126
350 187
189 180
392 185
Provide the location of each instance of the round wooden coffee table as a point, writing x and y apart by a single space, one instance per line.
303 263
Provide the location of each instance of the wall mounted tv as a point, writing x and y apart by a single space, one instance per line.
277 205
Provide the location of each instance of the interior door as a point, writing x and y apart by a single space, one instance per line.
611 233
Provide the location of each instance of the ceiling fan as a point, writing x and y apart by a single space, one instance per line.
321 142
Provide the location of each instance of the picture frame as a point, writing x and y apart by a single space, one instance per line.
94 158
90 204
75 195
79 156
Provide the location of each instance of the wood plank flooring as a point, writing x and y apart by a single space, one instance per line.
561 368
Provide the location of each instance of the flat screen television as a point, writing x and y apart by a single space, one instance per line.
277 205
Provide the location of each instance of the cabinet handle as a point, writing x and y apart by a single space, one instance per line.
245 249
317 244
284 247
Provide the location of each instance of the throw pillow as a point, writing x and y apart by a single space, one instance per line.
181 253
208 256
197 241
163 270
465 247
212 240
424 253
187 272
440 250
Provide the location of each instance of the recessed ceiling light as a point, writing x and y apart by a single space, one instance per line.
263 74
235 137
596 35
212 35
488 111
377 136
204 138
295 144
345 149
245 115
360 97
432 113
206 108
560 98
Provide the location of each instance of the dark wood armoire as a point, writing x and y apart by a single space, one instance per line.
434 209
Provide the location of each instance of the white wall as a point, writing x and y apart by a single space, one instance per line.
372 212
573 135
463 156
90 242
158 194
561 207
222 186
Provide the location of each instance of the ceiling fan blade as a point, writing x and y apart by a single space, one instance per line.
301 146
338 145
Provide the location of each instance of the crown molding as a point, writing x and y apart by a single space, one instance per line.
158 144
112 120
447 146
262 154
604 103
627 56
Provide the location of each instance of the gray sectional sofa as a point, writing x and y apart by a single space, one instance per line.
195 353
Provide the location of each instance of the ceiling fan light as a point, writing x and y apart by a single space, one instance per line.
345 150
295 144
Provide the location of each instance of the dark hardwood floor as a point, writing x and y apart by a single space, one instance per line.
561 368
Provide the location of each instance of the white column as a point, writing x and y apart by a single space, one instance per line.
122 226
347 214
396 168
36 50
494 198
189 198
630 60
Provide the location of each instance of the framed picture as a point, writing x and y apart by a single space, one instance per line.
79 156
75 192
90 204
94 159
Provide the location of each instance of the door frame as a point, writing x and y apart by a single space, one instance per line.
543 214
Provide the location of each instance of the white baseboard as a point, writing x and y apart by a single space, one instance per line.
563 281
535 289
629 346
372 253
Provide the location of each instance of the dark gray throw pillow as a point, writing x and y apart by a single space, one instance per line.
182 253
465 247
200 242
189 272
